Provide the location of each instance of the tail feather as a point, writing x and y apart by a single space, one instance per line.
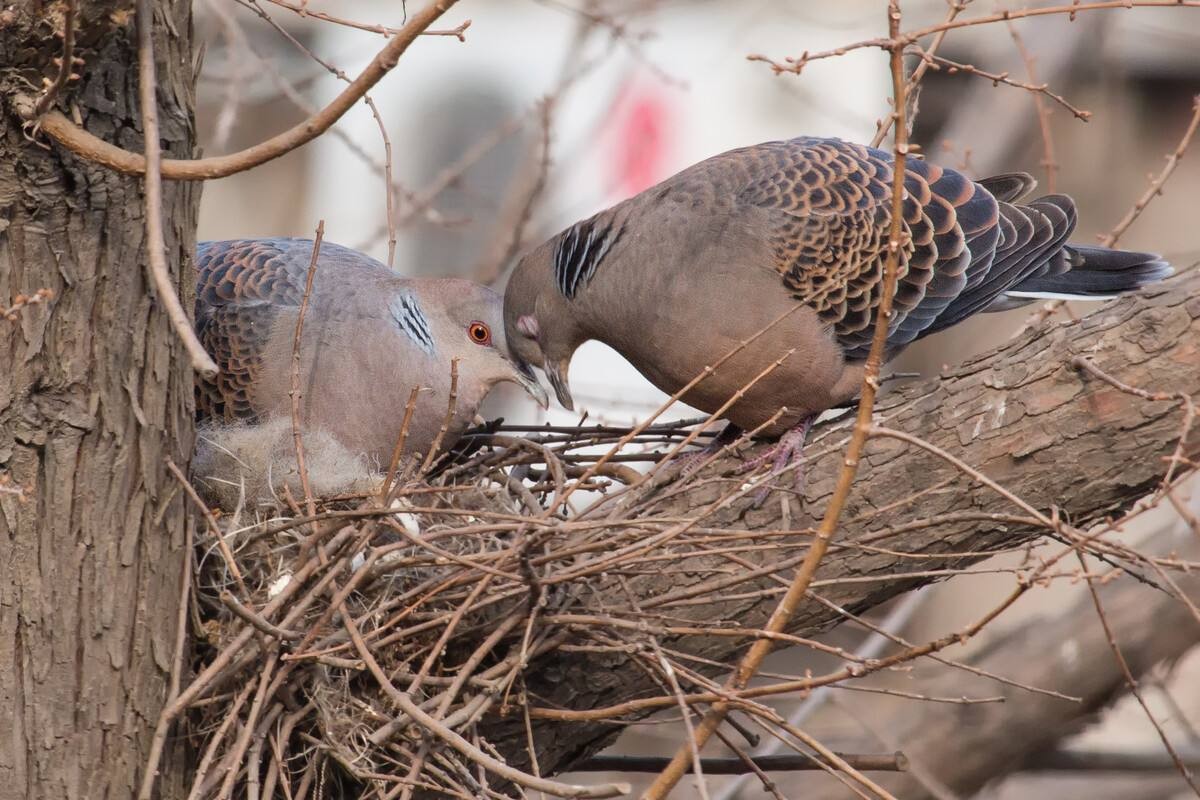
1096 273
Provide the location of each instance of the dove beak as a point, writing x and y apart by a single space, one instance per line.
524 376
557 373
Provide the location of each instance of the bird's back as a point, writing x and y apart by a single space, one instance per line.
817 213
245 287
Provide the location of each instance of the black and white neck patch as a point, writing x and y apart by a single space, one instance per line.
408 315
579 250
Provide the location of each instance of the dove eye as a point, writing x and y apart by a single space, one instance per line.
479 333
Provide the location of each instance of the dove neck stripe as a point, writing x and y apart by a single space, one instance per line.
407 313
579 251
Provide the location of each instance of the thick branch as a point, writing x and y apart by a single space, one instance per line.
1022 415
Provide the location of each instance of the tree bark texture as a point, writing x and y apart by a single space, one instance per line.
95 395
1023 415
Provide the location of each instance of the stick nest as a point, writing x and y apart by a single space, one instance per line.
318 617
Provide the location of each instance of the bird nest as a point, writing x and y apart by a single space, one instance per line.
354 645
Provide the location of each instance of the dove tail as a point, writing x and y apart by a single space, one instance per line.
1096 273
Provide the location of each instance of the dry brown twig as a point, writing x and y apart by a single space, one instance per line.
88 146
66 62
21 301
294 390
156 261
1036 89
1049 161
383 30
1131 681
1153 190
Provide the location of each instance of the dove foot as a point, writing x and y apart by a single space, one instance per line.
687 464
787 452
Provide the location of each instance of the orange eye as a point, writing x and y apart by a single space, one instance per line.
479 333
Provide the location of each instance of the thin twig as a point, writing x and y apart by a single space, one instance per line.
256 619
66 62
156 261
1049 161
88 146
303 10
1156 186
1036 89
214 529
1131 681
792 762
1153 190
294 393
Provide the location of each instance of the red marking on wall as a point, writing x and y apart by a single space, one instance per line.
641 132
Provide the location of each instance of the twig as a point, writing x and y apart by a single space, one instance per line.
1037 89
20 301
903 39
390 477
88 146
1049 161
1131 681
213 528
914 80
156 261
1110 239
1185 401
795 594
1156 185
451 406
294 393
792 762
255 619
1071 759
388 187
460 744
870 648
303 10
67 61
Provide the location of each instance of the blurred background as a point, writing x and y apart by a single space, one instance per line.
550 111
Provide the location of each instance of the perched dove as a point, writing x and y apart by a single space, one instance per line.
370 336
680 275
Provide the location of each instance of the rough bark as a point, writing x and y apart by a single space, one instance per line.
1022 415
95 396
963 747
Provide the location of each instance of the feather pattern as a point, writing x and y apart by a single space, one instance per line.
965 243
242 287
579 251
408 315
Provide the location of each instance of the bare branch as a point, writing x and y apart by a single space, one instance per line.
88 146
156 261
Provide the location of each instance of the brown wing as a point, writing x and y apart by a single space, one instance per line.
241 287
962 248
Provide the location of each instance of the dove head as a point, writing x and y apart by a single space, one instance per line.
541 327
466 320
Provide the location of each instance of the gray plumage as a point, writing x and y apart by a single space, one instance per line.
679 275
370 336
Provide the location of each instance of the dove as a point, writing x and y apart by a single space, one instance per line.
790 238
370 336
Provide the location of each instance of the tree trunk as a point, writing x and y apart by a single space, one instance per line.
96 395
